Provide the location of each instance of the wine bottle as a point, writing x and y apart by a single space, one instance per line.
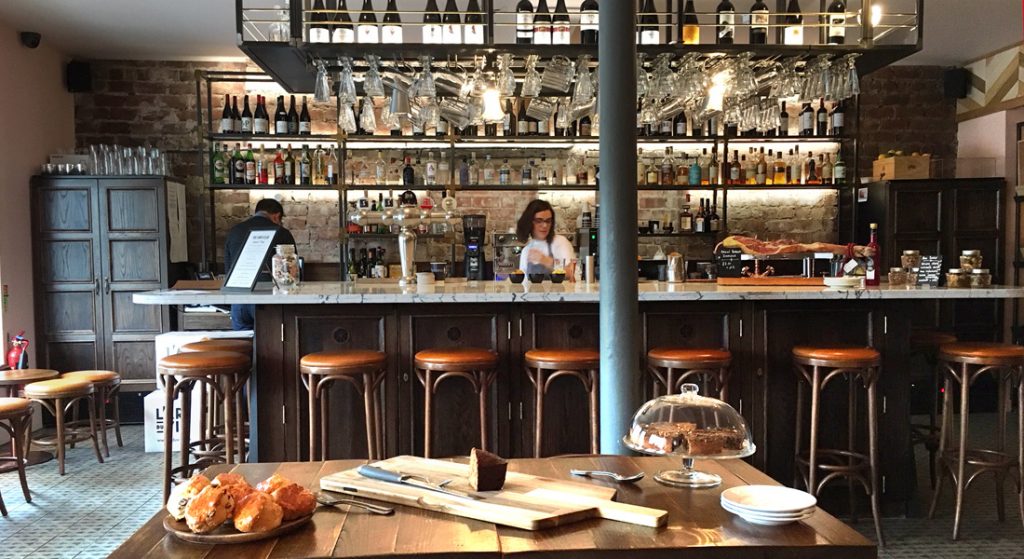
219 165
588 22
261 120
725 31
524 22
585 128
391 32
432 24
227 122
236 118
807 120
318 32
236 172
474 32
759 16
783 121
250 166
280 117
344 31
522 121
246 119
451 30
305 126
367 30
293 118
679 125
822 119
691 25
561 29
542 24
836 22
650 33
509 125
838 116
793 34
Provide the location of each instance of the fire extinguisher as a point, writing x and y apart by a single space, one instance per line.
17 357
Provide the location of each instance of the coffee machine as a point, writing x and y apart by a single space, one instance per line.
507 250
588 241
474 231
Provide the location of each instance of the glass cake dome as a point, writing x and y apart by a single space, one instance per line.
691 427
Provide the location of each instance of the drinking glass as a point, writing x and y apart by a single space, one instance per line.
563 120
584 91
346 84
347 118
540 108
455 111
322 89
532 80
367 120
506 81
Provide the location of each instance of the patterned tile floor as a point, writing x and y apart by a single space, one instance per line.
92 509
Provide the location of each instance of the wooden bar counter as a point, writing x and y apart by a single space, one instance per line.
758 325
697 525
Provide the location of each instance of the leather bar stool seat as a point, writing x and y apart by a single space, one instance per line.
547 364
108 387
816 367
16 419
671 367
963 363
930 339
56 396
433 366
204 363
363 369
219 344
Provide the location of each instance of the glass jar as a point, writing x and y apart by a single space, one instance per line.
969 260
284 267
912 275
897 277
980 277
911 259
957 278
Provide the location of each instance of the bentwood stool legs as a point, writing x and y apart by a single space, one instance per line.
672 367
15 419
211 423
363 369
964 363
817 366
434 366
545 365
107 386
926 343
57 396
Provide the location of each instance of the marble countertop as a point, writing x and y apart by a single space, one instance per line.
313 293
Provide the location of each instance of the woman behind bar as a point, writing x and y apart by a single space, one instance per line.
545 251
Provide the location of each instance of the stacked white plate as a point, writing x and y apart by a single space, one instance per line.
768 505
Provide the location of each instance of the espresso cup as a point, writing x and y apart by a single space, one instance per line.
440 270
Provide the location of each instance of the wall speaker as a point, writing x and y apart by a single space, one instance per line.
78 76
955 83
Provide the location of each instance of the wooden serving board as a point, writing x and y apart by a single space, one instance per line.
526 501
772 281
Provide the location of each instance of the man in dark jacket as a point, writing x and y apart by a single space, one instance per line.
267 216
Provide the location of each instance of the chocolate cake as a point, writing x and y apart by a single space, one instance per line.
661 436
486 470
712 441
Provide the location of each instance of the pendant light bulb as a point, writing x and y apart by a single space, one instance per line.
492 106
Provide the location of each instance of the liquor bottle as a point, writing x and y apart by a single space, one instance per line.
318 30
836 22
524 22
488 174
391 32
542 24
236 173
305 126
408 173
380 169
586 127
227 122
695 173
588 22
822 119
650 33
289 167
794 175
344 31
430 172
246 118
527 172
293 118
543 174
451 28
261 120
714 171
784 121
262 174
279 166
691 25
779 170
732 128
367 30
713 220
432 24
761 171
839 170
249 166
653 175
873 276
561 29
236 118
735 169
474 32
699 225
505 173
807 120
686 218
838 116
793 33
725 31
825 163
679 125
280 117
305 166
759 23
811 170
219 165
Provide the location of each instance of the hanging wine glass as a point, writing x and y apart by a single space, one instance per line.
563 119
347 118
584 91
852 80
531 82
373 85
367 120
506 81
322 88
346 83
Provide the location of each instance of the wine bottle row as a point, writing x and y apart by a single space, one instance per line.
258 122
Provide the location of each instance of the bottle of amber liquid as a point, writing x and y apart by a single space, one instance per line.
873 275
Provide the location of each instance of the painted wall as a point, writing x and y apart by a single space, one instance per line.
38 117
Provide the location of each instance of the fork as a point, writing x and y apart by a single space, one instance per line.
612 475
330 501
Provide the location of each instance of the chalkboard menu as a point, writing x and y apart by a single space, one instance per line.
729 262
930 271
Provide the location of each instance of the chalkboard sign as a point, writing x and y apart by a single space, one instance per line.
930 271
729 262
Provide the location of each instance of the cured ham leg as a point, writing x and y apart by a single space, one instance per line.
758 247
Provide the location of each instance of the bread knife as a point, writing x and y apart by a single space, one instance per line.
380 474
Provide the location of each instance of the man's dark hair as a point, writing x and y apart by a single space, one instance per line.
270 206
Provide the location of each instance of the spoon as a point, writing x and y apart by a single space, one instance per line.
615 476
327 500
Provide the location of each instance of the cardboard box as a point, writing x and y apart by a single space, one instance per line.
902 167
211 285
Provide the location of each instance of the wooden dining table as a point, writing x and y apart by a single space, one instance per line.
697 525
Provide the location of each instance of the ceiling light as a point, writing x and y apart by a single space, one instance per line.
876 15
492 106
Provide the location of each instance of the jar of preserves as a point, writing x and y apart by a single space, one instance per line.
980 277
957 278
969 260
284 267
911 259
897 277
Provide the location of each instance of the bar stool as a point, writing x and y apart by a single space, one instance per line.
107 386
225 371
964 362
11 382
671 367
365 370
926 343
16 418
57 395
818 366
434 366
211 424
545 365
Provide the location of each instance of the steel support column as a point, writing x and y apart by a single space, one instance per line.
620 344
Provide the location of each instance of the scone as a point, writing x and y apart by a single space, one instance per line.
235 485
273 483
209 509
257 512
182 493
296 501
228 478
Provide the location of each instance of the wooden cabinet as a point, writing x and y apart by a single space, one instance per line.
97 241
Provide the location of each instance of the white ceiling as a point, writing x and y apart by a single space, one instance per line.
956 31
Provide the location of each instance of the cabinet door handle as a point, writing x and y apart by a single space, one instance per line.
96 286
106 286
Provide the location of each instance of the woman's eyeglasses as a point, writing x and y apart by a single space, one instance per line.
542 221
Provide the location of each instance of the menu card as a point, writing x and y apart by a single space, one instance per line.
930 271
250 261
729 262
